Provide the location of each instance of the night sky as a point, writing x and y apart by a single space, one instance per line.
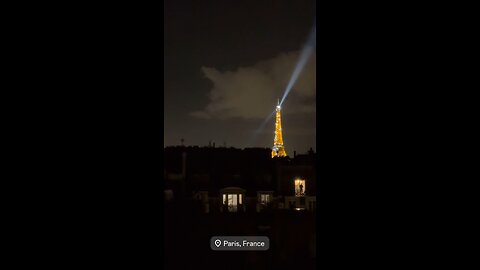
225 65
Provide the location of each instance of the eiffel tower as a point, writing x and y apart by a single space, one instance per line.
278 150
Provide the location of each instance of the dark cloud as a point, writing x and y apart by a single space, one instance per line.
251 92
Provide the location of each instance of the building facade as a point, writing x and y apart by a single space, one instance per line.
229 180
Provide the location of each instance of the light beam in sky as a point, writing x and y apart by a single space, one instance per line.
260 128
302 60
307 51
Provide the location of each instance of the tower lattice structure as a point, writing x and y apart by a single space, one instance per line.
278 150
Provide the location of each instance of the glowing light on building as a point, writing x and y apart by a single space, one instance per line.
299 187
278 150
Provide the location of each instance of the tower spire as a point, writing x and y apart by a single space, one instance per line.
278 150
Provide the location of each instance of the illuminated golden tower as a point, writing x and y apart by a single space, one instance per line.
278 150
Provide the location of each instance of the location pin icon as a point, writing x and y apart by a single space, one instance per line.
218 242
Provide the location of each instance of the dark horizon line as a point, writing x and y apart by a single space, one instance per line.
224 147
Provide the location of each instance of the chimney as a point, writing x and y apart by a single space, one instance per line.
294 154
214 145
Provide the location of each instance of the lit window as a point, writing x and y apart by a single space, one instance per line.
299 187
239 198
231 202
265 198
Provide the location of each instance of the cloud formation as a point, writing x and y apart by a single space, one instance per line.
252 92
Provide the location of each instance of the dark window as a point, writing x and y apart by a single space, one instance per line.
292 204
